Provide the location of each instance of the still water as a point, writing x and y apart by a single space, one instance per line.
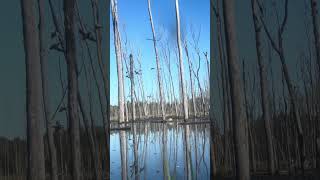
160 151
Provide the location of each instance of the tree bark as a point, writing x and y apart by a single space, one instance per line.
238 116
265 102
132 88
117 44
181 66
74 125
45 94
35 148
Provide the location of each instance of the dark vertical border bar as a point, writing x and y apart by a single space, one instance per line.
212 165
108 87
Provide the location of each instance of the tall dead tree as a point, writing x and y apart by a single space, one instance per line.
132 88
117 45
238 116
224 82
265 102
277 45
158 63
45 93
35 148
181 66
74 125
104 68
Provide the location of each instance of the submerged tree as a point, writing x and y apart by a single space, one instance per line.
36 160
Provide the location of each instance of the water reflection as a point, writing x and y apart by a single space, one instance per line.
160 151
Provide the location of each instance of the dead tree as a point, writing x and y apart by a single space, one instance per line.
222 58
104 67
158 63
181 66
35 147
132 88
141 86
117 44
277 45
45 94
238 115
74 125
265 102
191 81
167 58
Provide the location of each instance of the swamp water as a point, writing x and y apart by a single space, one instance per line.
160 151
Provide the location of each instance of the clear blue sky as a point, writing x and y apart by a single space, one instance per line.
134 18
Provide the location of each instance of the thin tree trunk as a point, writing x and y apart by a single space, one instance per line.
224 81
45 94
158 64
278 47
264 89
191 82
74 126
239 121
35 147
132 88
251 143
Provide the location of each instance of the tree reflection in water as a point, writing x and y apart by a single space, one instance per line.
161 151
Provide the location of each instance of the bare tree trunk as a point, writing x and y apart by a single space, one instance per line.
35 147
158 64
224 81
74 126
181 67
91 140
45 94
132 88
251 143
315 23
239 121
143 96
191 81
264 89
104 68
168 63
278 47
117 44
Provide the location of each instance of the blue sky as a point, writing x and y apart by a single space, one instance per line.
134 19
